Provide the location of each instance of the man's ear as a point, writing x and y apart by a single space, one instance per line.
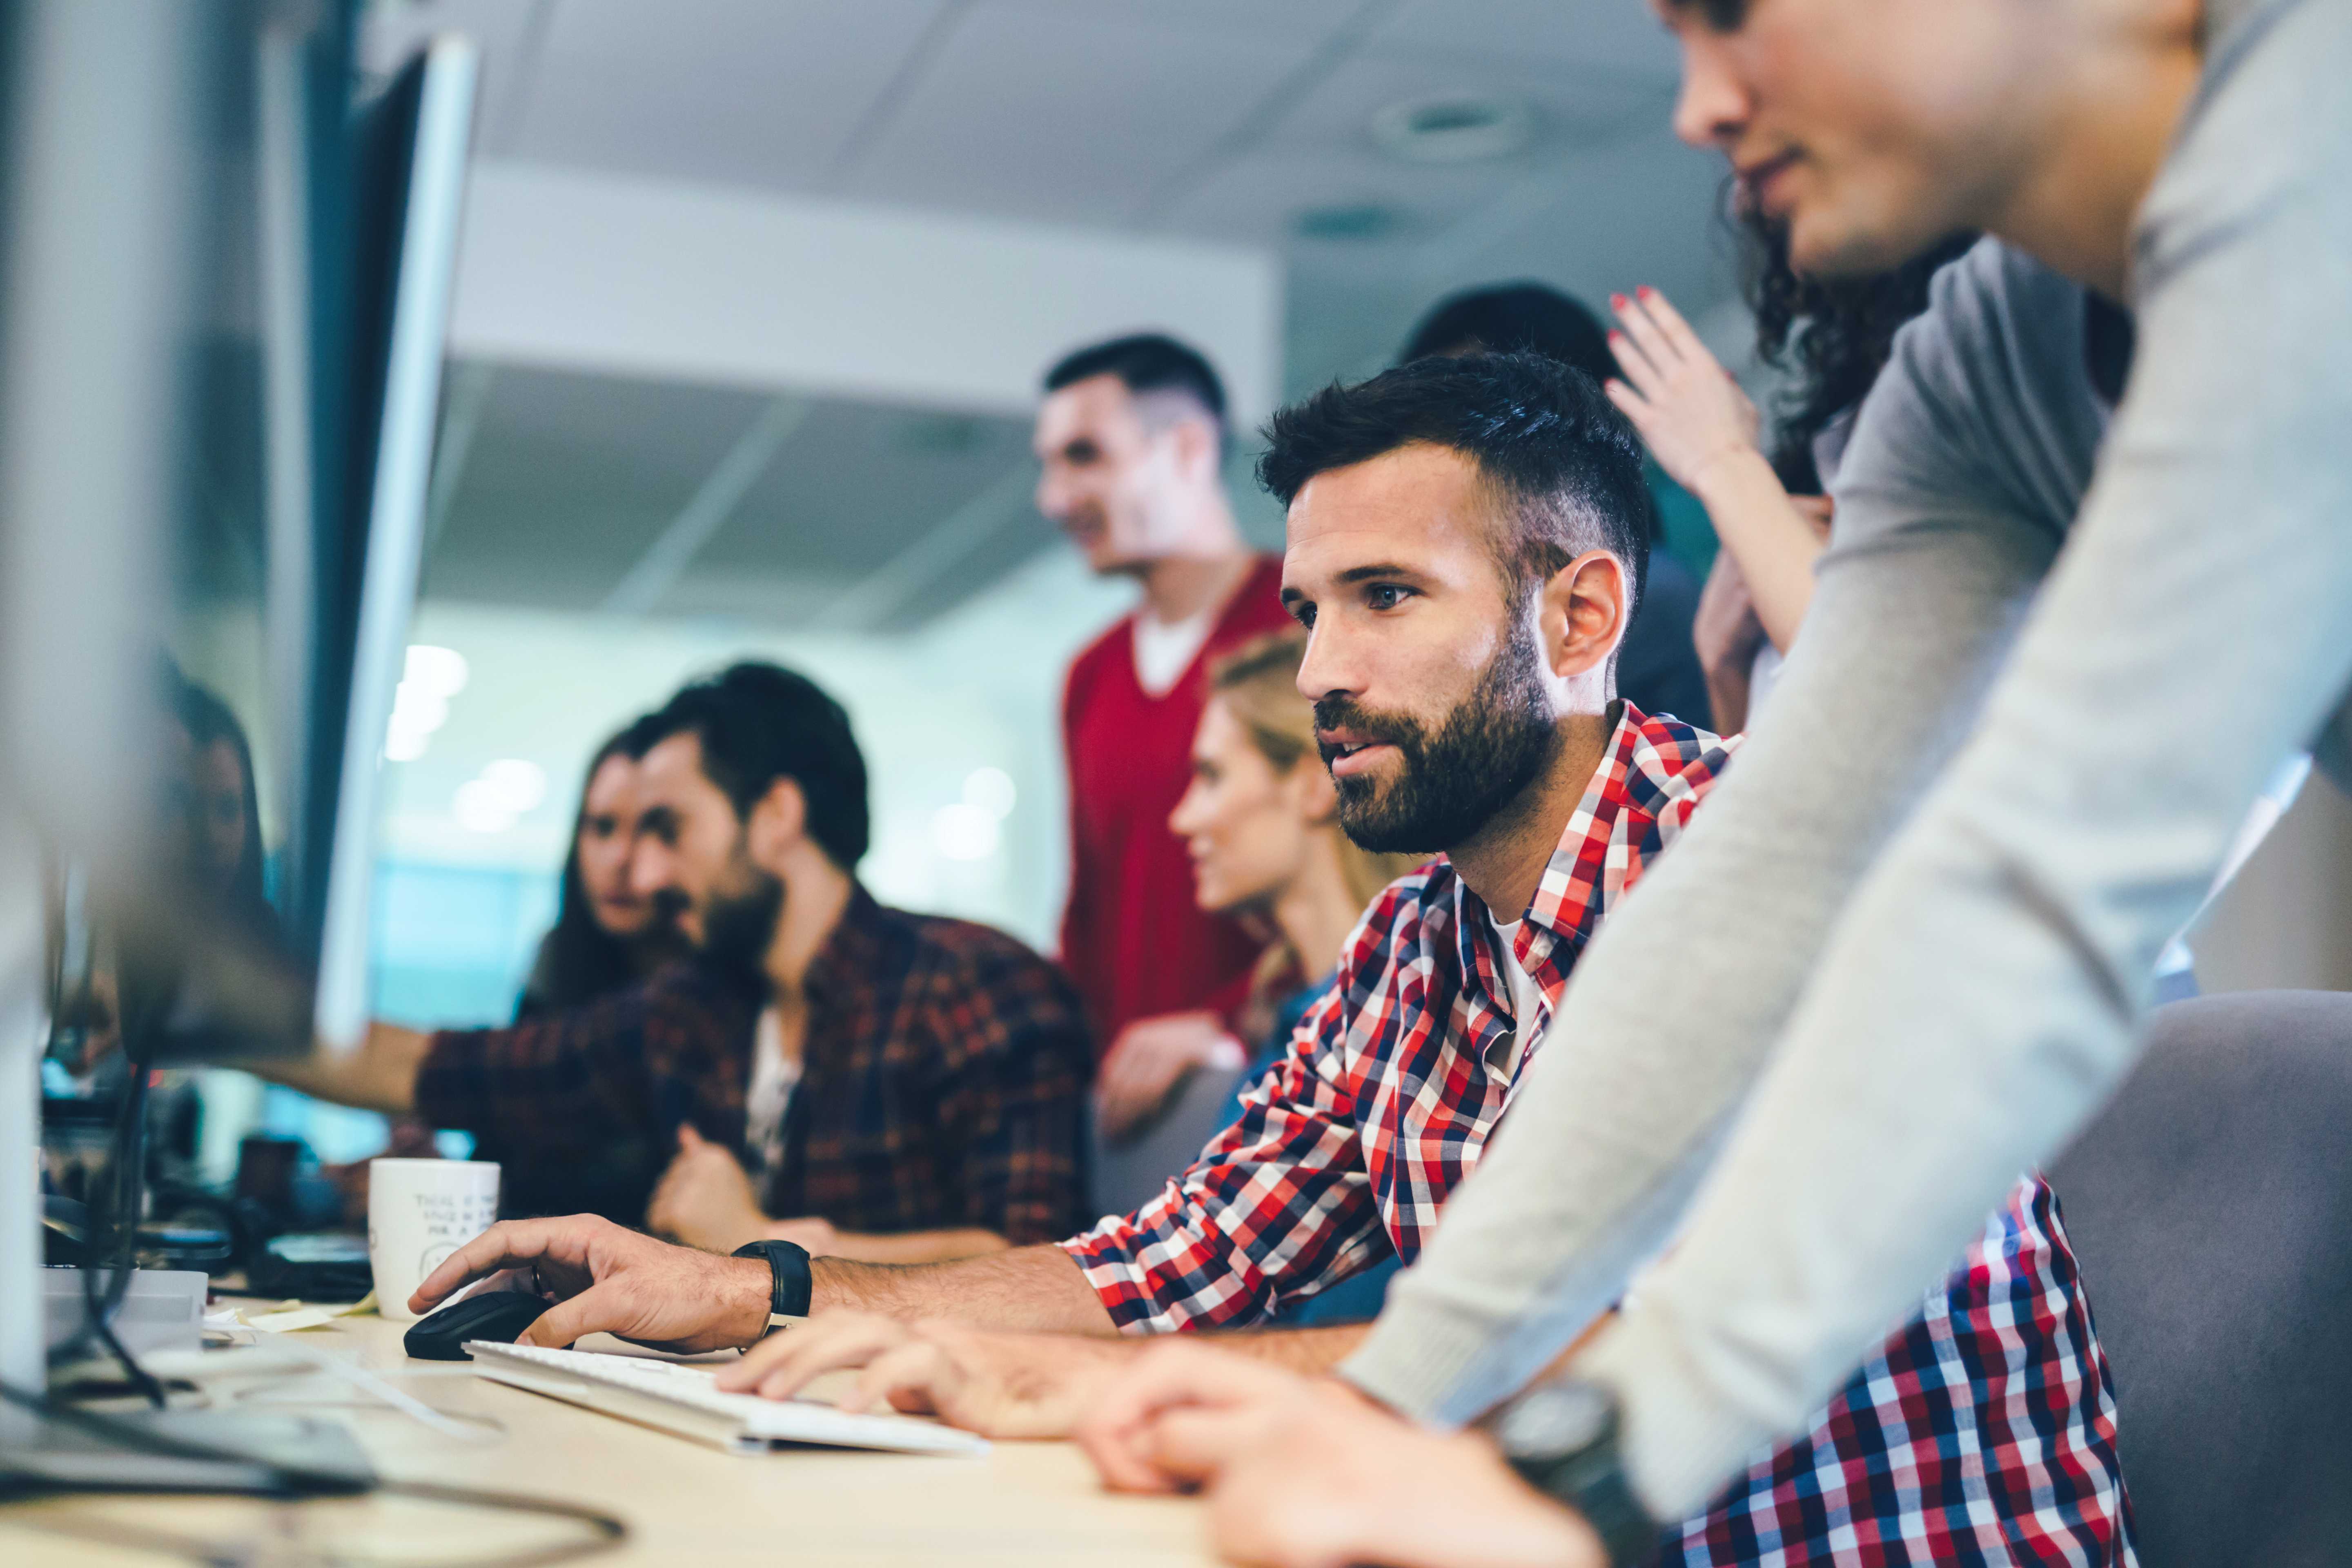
778 823
1581 616
1197 446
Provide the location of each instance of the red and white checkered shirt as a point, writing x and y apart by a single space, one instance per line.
1983 1431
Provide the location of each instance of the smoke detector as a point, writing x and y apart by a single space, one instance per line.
1454 128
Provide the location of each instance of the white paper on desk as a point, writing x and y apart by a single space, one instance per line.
290 1317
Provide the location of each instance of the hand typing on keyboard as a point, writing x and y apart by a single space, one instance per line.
600 1277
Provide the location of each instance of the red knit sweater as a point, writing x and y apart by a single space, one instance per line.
1132 937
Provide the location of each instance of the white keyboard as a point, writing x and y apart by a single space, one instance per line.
681 1399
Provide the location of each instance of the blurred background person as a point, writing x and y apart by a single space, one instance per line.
864 1081
607 934
1658 668
216 806
1131 441
1771 513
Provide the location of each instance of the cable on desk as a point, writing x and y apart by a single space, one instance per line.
118 1222
606 1530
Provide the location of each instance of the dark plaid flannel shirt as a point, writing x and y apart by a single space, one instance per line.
943 1084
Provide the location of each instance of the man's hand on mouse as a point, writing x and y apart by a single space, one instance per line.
604 1277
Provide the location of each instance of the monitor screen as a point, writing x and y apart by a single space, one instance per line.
319 259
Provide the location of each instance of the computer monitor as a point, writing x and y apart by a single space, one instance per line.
411 167
223 304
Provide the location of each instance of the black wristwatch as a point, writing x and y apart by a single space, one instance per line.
789 1281
1561 1437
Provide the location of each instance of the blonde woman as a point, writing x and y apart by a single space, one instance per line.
1261 822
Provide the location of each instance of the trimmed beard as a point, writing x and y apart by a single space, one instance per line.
1485 753
739 924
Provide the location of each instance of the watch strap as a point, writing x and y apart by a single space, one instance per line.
789 1281
1594 1482
1563 1440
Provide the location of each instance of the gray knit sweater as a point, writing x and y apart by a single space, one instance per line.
2051 659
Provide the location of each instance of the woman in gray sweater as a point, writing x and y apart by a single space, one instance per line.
2091 584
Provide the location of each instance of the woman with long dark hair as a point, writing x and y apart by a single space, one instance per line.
606 936
216 806
1770 508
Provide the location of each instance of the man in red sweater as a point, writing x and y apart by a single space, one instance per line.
1131 437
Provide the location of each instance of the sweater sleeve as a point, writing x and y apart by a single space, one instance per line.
1981 997
1677 1001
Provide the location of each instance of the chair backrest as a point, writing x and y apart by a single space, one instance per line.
1129 1173
2210 1206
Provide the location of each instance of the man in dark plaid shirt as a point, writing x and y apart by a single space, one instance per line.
887 1085
1461 662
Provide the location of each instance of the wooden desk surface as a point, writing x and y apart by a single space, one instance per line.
1023 1503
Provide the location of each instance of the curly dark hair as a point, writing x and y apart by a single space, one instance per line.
1848 328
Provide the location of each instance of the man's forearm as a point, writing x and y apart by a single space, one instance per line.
1983 992
1039 1288
1775 547
913 1246
1300 1350
381 1075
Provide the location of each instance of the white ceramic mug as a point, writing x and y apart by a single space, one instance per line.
419 1212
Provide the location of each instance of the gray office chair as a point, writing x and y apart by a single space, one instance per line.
2210 1205
1129 1174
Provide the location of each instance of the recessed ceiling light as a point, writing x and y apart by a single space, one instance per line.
1348 221
1455 128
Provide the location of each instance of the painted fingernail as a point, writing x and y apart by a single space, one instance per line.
1647 293
1618 301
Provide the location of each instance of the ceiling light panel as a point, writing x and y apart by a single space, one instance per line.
1079 116
759 93
1617 37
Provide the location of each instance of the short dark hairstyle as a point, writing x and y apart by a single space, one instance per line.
1517 317
1541 432
1525 318
1144 362
759 723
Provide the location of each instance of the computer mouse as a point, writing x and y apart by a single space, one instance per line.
486 1315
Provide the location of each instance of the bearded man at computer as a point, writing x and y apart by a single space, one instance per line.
893 1087
1465 544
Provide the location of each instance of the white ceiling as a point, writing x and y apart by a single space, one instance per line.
1224 119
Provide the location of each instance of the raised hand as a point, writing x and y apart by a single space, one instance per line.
604 1278
1690 412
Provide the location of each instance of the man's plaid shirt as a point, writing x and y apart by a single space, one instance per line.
1984 1430
943 1084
